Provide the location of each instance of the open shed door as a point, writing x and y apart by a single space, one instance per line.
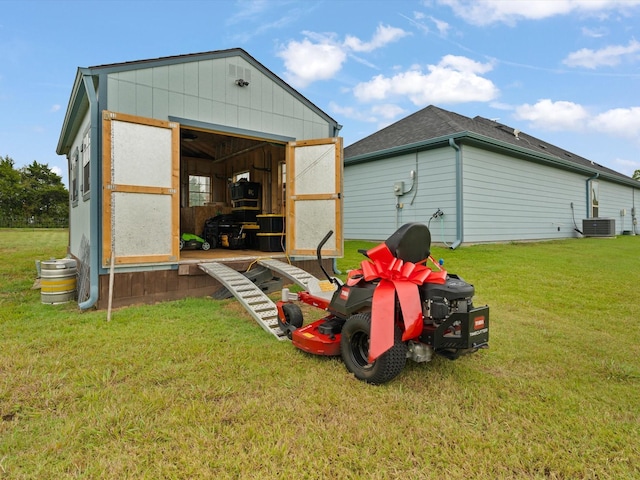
314 197
141 179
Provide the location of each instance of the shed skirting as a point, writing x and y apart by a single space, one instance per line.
131 288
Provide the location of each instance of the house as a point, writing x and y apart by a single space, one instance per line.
157 148
477 180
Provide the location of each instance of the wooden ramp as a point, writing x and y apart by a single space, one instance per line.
252 298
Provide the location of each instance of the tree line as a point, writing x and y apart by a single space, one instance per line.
33 195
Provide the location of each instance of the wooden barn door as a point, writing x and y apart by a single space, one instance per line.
141 176
314 197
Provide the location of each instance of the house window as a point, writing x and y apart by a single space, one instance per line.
595 191
199 190
86 160
73 187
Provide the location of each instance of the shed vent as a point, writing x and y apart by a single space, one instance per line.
599 227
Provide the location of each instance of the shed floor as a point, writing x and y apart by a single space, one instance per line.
225 255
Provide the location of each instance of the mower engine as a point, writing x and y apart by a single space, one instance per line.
452 326
440 301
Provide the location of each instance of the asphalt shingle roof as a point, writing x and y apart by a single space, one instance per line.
433 122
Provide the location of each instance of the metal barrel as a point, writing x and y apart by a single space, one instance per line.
58 280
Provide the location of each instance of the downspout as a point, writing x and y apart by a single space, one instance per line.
459 223
94 266
588 187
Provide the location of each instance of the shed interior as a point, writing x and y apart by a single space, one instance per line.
232 192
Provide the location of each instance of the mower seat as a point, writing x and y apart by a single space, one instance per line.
410 243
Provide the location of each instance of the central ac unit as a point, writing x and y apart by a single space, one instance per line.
599 227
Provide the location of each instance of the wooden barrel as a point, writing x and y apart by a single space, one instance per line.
58 280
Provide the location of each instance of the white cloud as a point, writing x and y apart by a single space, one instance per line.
568 116
619 122
382 36
441 25
307 62
320 56
548 115
594 32
388 111
485 12
501 106
626 167
55 108
351 113
57 171
454 80
609 56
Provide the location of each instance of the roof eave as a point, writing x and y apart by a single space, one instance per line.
476 139
547 159
78 103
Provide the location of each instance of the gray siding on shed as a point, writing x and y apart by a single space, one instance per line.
370 211
506 198
79 217
205 91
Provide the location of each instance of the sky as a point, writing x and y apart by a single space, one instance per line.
565 71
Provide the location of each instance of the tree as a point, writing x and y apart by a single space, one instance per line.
10 190
636 175
31 195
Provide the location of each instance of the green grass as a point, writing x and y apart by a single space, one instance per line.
195 389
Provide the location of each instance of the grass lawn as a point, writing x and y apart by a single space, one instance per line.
195 389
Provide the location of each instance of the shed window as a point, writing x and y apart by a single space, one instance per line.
86 160
199 190
73 187
242 176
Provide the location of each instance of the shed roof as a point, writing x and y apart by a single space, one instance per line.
433 125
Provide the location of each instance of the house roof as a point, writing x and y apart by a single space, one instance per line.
78 102
433 126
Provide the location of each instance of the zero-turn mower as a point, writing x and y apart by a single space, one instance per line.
393 308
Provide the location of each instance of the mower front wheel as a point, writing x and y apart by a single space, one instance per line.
293 318
354 349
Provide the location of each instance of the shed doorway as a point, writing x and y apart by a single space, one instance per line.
229 187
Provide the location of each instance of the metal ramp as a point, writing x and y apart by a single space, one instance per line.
300 277
252 298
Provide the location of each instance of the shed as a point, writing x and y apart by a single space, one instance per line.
209 144
477 180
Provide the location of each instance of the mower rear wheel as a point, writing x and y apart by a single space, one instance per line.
292 318
354 349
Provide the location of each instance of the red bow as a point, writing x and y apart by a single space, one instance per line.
396 277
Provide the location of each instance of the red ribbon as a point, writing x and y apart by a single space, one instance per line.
396 278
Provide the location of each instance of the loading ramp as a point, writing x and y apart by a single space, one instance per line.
300 277
252 297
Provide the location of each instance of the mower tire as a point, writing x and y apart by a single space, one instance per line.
293 318
354 349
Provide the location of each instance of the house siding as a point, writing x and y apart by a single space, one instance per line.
613 200
506 198
370 211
